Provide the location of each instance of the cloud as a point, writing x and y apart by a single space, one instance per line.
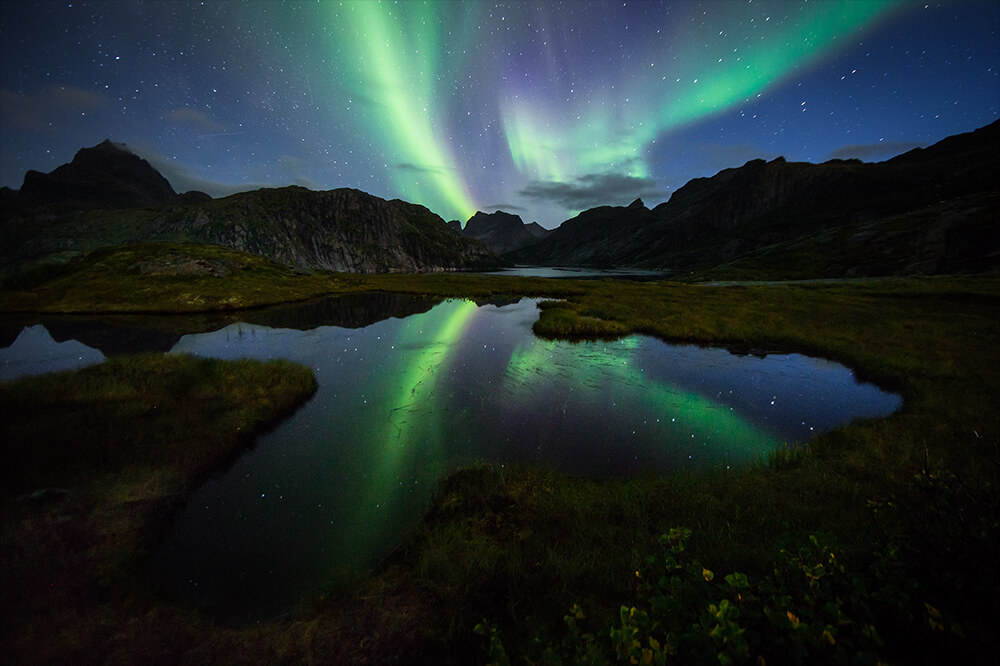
199 120
593 190
183 178
288 170
873 151
293 169
418 168
24 111
506 207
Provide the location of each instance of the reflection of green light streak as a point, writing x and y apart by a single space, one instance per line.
390 441
396 59
695 415
611 131
418 379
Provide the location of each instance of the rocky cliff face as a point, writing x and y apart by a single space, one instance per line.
502 232
109 196
340 230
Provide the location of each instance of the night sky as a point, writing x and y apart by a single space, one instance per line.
539 108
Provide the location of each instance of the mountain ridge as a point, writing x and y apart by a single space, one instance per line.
740 211
109 196
501 232
928 210
105 176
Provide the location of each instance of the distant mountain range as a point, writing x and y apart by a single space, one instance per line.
932 210
109 196
501 232
928 211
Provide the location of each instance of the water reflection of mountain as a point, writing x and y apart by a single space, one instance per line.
123 334
352 311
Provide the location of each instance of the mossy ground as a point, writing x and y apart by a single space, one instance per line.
519 546
94 461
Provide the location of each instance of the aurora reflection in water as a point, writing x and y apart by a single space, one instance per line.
403 402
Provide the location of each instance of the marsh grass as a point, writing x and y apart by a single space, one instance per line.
94 461
160 277
520 546
180 277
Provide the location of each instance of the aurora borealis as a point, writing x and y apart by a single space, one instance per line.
538 108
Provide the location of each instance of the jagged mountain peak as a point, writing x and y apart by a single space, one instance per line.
502 232
107 175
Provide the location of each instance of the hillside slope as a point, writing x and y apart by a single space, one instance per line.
108 196
947 192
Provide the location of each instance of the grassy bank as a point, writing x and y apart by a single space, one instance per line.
94 461
908 506
193 278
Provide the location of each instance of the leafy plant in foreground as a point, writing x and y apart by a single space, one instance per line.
810 610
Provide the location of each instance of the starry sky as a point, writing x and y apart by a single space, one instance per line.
542 109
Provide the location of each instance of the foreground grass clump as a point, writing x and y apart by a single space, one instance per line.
175 277
94 460
810 610
161 277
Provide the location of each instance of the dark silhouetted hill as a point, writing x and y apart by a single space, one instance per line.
109 196
107 175
502 232
340 230
929 210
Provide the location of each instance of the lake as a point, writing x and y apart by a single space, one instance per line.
580 273
411 389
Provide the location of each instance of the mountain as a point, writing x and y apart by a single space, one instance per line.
107 175
600 236
926 211
502 232
109 196
340 230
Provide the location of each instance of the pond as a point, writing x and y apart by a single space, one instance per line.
411 389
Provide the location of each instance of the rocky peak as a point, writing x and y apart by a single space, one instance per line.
107 175
501 232
482 223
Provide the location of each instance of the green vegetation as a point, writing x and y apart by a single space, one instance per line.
810 610
94 462
160 277
906 509
190 277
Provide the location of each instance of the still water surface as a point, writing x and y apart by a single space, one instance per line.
404 401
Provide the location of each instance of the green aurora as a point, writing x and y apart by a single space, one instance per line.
413 78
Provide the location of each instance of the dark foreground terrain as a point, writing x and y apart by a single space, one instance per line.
877 542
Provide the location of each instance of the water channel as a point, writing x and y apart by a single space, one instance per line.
411 389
